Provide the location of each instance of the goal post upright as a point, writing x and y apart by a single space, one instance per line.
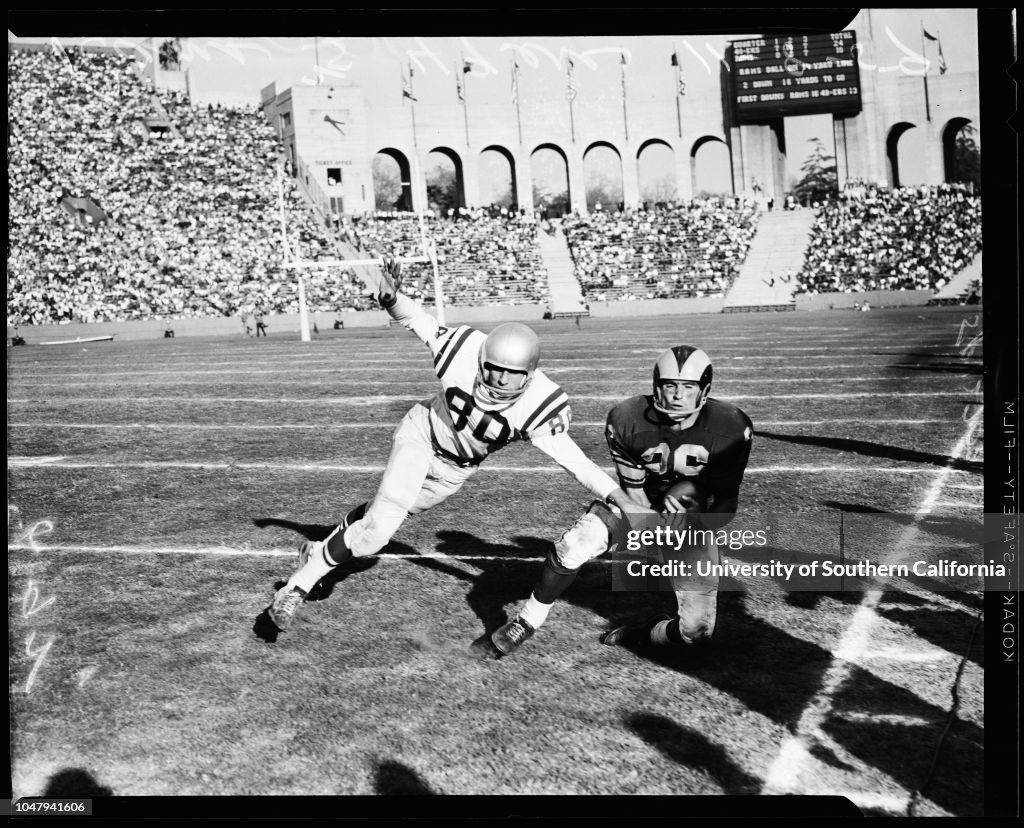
290 261
429 248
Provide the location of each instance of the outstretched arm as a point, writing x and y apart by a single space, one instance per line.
563 450
390 284
403 309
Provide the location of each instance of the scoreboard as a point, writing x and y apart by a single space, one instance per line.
774 76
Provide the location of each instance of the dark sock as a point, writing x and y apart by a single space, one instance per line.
554 580
337 550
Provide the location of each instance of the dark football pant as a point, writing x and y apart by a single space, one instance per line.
603 529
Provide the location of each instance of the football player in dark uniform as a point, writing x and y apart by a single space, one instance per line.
677 451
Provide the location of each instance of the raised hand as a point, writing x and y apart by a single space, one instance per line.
390 283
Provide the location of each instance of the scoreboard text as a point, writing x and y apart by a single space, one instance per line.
797 75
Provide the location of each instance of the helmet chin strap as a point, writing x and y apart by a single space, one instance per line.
683 418
486 395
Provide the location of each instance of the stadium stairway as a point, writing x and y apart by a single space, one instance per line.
956 290
566 293
367 274
777 248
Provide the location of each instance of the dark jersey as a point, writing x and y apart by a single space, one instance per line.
638 435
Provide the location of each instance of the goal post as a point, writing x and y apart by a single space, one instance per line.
299 265
291 261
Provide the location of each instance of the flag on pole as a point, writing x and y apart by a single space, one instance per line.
467 66
675 58
571 88
934 38
407 85
515 82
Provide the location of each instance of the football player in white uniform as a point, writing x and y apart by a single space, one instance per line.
679 451
492 393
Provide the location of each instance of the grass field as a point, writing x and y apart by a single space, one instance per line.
158 489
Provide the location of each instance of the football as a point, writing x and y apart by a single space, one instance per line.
687 493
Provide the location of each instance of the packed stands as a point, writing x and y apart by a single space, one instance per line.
686 249
873 238
486 257
129 203
194 225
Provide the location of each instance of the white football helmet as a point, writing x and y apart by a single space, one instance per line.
514 347
682 363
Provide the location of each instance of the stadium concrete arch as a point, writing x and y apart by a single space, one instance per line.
903 130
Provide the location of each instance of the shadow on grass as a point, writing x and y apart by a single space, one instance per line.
777 675
758 663
395 779
855 508
691 749
310 531
869 449
945 626
74 783
263 627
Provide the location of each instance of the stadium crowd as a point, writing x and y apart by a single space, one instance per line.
187 221
486 256
874 238
184 219
682 249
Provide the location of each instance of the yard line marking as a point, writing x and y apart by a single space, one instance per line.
584 357
244 551
363 383
379 424
315 368
18 462
384 399
784 773
899 654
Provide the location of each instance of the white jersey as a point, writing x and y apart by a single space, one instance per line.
465 431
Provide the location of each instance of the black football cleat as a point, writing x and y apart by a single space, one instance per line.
634 635
508 637
285 607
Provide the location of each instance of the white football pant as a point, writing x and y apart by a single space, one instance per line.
415 480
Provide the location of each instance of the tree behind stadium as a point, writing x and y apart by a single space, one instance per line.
820 180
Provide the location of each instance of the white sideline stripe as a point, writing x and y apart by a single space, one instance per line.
933 602
900 654
62 462
877 801
883 718
382 399
783 774
389 425
249 552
